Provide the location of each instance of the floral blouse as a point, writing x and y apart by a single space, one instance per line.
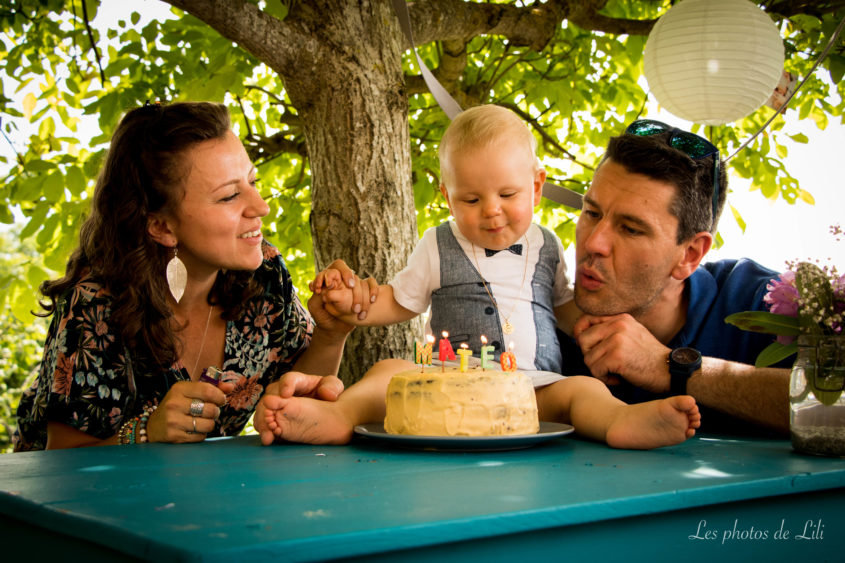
90 381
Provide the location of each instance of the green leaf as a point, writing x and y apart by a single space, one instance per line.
75 180
21 304
40 165
29 189
766 322
54 186
836 65
277 9
738 218
36 219
806 197
29 102
6 216
774 353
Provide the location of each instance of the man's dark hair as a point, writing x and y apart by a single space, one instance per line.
693 201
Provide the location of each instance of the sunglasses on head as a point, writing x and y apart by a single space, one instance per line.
688 143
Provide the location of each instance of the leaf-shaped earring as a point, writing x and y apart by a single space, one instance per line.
177 276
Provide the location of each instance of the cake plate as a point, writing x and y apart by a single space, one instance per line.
548 431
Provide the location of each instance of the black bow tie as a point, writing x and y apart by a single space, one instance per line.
515 248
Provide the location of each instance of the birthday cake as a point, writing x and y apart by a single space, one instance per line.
477 402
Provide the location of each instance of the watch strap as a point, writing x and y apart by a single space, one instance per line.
678 383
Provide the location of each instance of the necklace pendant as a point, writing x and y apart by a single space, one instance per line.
507 328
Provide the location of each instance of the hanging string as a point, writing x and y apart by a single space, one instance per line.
823 54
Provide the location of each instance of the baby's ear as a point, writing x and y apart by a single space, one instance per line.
445 193
539 180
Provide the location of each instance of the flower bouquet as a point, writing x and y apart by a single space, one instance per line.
807 313
808 300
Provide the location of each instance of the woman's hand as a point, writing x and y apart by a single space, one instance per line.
188 412
337 275
325 318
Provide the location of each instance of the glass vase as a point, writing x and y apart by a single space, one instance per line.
816 398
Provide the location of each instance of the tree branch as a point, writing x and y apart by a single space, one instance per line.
547 139
787 8
93 43
277 43
433 20
262 147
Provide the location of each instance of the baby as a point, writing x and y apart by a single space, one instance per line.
492 271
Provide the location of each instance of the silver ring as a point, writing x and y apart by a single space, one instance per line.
194 419
197 407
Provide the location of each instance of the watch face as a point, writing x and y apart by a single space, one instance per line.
685 355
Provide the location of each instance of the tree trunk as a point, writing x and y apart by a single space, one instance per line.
341 64
355 115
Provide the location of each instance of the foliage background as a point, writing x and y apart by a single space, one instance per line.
62 67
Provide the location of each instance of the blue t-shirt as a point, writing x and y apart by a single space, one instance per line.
715 290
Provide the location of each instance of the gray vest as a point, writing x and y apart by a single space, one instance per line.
462 307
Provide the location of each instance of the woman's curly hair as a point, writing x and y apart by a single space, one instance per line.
142 174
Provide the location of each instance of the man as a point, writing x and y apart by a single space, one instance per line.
647 222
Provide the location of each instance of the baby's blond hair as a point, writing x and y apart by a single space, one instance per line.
480 127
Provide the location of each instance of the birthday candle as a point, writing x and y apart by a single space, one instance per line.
465 354
508 360
446 352
427 349
422 352
486 352
418 350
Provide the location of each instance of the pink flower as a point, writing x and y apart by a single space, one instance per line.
782 297
785 339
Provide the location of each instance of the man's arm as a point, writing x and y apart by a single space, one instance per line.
758 395
619 346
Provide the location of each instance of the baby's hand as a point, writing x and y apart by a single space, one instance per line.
342 282
330 278
339 301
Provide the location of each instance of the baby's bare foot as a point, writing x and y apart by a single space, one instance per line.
664 422
309 421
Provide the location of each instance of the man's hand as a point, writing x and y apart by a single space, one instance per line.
619 345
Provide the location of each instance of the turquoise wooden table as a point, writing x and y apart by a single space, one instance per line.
708 499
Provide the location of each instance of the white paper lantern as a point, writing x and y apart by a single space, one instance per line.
713 61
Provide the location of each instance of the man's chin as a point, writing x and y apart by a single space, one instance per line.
593 303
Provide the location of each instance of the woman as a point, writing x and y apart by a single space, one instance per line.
172 276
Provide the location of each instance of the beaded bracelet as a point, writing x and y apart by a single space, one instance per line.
125 433
135 430
141 427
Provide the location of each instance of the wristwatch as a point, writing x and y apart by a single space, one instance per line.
682 364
